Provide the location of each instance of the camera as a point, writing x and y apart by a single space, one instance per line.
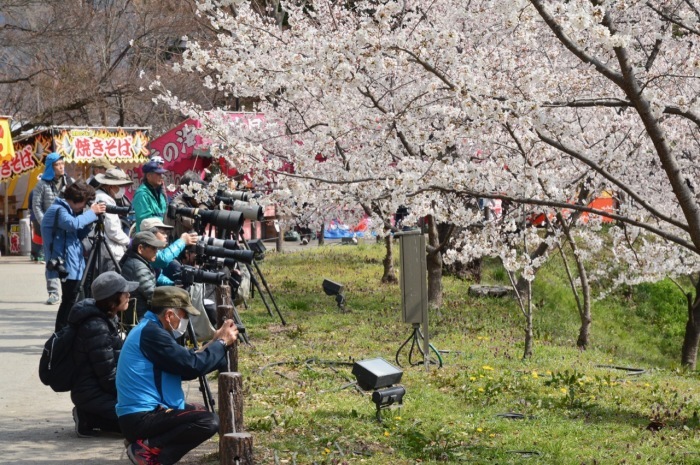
205 250
190 275
228 220
249 211
59 265
115 210
229 196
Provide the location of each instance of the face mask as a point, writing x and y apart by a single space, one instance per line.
120 193
181 328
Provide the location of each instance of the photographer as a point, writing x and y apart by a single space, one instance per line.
63 227
169 253
95 352
51 185
111 186
137 265
157 422
150 200
183 224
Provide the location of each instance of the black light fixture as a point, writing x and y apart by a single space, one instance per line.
380 376
335 289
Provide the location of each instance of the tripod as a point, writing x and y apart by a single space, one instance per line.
416 338
94 260
264 282
204 388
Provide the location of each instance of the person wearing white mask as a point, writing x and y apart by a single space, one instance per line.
112 185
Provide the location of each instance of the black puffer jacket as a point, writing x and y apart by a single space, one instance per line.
96 351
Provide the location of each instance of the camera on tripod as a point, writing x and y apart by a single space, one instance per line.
190 275
58 265
223 219
229 250
115 210
250 211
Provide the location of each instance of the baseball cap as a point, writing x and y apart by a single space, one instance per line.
150 223
173 297
102 162
109 283
147 238
153 167
113 177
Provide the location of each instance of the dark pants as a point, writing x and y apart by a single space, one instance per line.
175 432
70 289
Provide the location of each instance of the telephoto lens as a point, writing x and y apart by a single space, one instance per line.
228 197
190 275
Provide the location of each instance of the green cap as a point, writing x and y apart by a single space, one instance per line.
173 297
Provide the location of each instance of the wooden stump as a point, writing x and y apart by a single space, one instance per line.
230 403
236 449
223 295
223 313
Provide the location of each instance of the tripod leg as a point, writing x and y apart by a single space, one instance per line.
267 288
203 383
86 280
256 284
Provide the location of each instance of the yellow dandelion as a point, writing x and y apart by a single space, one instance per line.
481 389
386 433
548 373
647 385
479 430
492 435
326 451
535 375
563 390
486 367
398 418
472 378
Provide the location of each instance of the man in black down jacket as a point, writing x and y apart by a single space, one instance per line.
137 265
96 350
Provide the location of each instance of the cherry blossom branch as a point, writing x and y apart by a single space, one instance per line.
556 204
672 20
558 31
600 170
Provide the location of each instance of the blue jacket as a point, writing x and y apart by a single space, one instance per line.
152 366
70 229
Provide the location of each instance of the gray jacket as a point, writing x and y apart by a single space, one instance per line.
45 193
135 268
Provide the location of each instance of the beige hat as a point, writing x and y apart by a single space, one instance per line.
155 222
102 162
113 177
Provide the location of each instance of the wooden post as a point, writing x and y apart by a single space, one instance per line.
236 449
223 296
230 403
223 313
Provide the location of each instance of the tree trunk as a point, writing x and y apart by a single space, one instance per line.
689 352
389 272
280 236
529 337
321 233
434 266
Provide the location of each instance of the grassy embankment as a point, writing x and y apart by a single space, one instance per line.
576 412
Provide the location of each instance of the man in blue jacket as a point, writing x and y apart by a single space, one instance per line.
157 422
63 227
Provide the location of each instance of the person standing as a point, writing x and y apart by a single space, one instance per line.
99 166
96 351
157 422
149 200
63 227
52 184
182 224
111 185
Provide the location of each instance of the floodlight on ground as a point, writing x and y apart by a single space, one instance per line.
335 289
380 376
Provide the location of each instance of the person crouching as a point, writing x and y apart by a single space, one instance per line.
157 422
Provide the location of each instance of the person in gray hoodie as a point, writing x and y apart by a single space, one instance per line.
52 184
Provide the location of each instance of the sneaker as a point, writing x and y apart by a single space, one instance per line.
141 454
53 299
81 429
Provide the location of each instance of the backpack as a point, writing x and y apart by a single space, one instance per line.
57 366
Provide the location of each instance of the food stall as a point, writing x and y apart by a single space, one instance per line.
126 147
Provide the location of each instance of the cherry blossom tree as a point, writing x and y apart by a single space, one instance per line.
434 104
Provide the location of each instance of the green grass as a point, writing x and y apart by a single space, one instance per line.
576 412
